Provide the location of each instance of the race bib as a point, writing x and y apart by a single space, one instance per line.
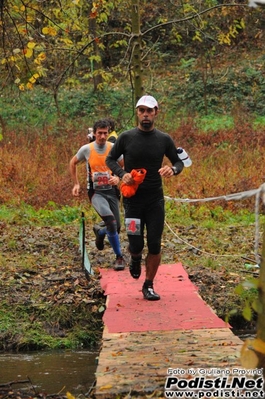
101 181
133 226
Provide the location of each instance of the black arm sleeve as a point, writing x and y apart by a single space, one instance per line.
172 155
179 165
111 160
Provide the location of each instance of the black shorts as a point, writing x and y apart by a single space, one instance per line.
150 211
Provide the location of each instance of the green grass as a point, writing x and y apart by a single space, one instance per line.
259 121
201 215
213 123
51 215
35 333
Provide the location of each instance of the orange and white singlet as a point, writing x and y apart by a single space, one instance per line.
98 168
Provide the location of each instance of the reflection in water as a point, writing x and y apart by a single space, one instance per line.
51 372
245 334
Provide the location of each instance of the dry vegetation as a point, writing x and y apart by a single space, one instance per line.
34 169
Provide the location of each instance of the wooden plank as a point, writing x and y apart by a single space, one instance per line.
135 364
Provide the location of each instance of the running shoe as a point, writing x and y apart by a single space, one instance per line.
99 238
119 263
150 294
135 268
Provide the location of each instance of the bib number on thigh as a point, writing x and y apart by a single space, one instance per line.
133 226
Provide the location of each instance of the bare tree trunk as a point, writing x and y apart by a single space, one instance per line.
136 51
3 126
96 65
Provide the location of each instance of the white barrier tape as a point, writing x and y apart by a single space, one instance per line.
259 193
201 250
229 197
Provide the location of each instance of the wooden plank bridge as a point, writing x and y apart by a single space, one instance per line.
142 340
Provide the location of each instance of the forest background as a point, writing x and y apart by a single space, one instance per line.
65 64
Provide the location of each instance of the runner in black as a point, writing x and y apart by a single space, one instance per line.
144 147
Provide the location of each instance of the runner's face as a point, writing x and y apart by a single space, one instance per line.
101 135
146 117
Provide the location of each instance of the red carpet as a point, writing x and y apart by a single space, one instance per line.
180 307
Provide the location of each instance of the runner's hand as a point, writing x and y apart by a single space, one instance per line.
114 180
76 190
166 171
127 179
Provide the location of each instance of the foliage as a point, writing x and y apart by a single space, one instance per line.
78 108
214 123
51 215
253 354
44 44
76 42
36 335
215 102
214 90
207 216
248 290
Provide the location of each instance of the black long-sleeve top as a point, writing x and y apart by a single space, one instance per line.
146 150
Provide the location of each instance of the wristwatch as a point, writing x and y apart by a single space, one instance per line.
175 171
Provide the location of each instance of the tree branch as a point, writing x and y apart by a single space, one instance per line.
193 16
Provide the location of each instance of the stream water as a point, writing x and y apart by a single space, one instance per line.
57 372
51 372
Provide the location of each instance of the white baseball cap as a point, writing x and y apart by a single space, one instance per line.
147 101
